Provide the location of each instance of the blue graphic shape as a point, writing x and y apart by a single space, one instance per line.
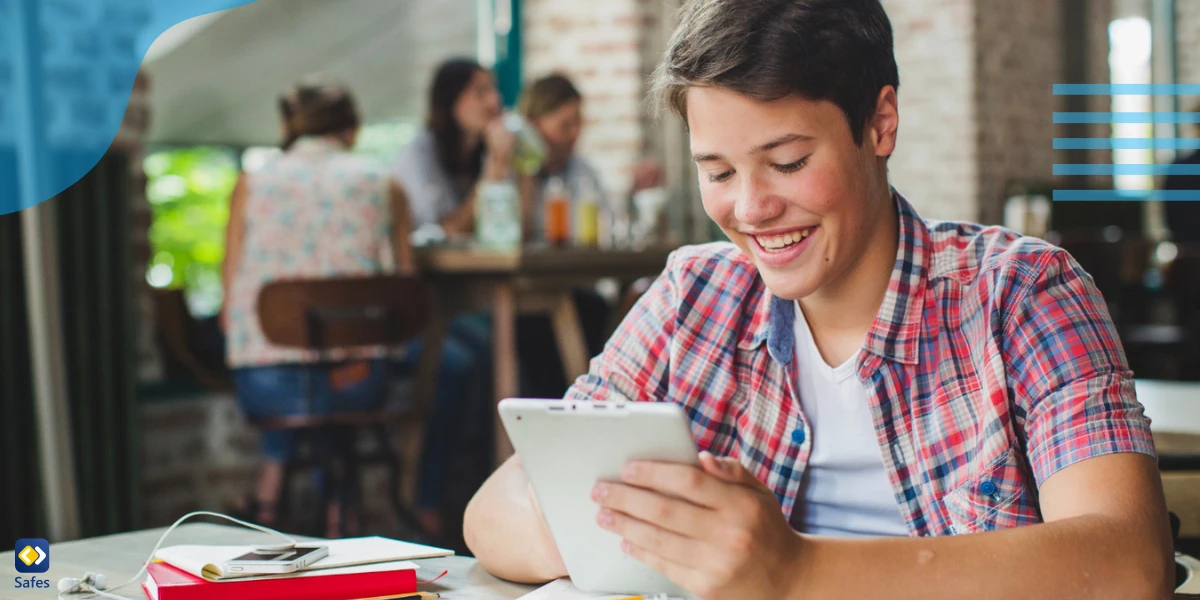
1127 143
1126 89
1168 118
1125 195
1126 169
67 69
34 550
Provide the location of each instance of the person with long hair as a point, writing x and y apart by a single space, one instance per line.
462 144
315 211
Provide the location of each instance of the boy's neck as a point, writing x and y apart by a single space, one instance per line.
841 313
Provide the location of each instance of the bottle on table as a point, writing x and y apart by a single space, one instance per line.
498 215
558 212
587 216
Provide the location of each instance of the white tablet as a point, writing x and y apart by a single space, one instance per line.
566 447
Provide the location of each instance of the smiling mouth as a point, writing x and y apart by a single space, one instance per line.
783 241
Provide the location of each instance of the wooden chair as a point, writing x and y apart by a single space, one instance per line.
323 315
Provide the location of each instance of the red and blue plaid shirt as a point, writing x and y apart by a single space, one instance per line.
993 363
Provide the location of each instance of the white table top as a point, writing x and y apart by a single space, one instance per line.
120 556
1173 406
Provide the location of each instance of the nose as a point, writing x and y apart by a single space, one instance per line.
756 205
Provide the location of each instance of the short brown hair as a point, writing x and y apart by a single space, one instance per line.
547 95
317 109
835 50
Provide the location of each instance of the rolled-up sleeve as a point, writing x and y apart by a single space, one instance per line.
1068 372
635 363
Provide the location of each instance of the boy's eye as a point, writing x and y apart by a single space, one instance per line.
792 167
719 177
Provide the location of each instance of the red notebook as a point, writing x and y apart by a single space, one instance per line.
168 583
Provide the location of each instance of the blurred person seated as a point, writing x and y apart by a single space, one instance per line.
315 211
554 107
463 143
1183 216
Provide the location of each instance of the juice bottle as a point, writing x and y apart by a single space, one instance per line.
558 212
587 217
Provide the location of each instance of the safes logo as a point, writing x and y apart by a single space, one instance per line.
32 555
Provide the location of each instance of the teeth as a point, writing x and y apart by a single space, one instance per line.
779 242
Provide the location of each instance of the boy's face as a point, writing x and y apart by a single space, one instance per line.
788 185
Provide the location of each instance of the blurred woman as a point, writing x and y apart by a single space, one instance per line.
462 144
315 211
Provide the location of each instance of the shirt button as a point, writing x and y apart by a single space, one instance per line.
987 488
798 436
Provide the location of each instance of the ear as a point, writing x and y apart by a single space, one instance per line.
885 123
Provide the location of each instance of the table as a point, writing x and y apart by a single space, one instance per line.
120 556
1174 411
528 280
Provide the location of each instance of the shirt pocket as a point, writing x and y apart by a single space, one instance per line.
994 498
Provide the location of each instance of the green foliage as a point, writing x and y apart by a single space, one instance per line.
189 190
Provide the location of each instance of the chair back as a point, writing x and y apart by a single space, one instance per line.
319 314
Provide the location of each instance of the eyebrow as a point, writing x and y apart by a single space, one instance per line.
771 145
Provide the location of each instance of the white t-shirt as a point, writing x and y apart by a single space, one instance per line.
845 490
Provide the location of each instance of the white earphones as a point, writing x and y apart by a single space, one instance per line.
72 584
96 584
92 583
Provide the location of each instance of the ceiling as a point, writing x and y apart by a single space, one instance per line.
215 79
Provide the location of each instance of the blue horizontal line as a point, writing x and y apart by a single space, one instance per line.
1126 89
1107 169
1124 195
1127 143
1127 117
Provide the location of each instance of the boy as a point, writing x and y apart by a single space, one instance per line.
875 383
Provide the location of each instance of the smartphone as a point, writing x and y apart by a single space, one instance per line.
274 562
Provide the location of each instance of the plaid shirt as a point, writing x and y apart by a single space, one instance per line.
992 364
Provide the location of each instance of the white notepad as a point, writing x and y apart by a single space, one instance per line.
562 589
206 561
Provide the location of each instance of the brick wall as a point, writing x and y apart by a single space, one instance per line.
1187 34
936 160
201 454
1018 52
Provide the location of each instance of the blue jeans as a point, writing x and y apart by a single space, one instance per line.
460 404
283 390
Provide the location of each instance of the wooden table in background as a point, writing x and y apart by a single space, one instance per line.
120 556
1174 411
531 280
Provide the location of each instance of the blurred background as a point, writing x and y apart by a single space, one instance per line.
129 308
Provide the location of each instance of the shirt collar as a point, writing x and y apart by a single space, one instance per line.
316 144
896 332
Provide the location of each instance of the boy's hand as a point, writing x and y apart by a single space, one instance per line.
714 530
